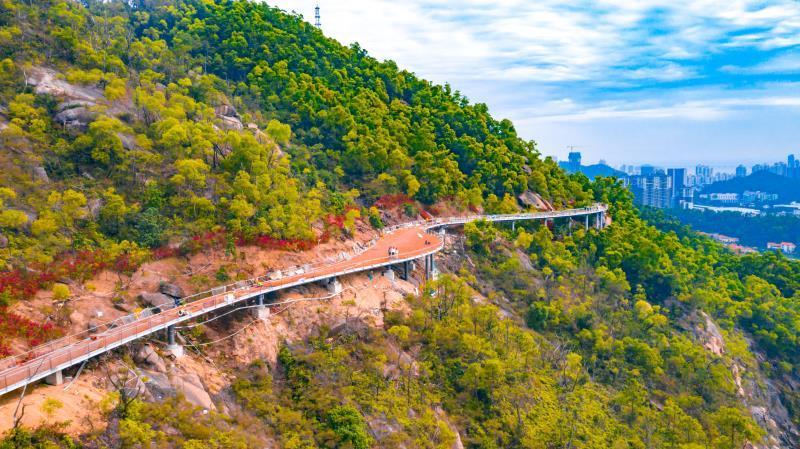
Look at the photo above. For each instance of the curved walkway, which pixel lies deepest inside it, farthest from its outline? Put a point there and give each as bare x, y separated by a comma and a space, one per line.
411, 241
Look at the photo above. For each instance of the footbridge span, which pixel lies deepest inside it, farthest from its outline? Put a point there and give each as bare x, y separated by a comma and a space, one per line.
399, 245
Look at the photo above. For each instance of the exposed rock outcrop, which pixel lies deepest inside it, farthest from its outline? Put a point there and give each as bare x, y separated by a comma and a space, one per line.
40, 174
192, 388
757, 392
75, 114
230, 123
532, 199
47, 82
159, 300
171, 290
146, 355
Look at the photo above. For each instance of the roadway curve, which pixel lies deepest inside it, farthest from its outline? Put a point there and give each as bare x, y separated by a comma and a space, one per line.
411, 240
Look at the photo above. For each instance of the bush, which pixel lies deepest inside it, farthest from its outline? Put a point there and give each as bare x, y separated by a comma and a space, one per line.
348, 424
60, 292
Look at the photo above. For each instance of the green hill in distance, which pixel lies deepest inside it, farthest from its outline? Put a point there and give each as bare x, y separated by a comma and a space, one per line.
787, 189
594, 170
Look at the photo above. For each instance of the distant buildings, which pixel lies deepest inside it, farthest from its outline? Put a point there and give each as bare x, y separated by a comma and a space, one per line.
784, 247
732, 243
790, 168
724, 198
678, 187
758, 197
647, 170
704, 174
680, 191
652, 188
721, 237
574, 161
793, 167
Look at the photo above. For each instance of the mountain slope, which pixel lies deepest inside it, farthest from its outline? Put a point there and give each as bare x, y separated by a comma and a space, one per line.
202, 141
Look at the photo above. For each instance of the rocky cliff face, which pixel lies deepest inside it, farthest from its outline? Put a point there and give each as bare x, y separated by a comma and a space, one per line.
760, 394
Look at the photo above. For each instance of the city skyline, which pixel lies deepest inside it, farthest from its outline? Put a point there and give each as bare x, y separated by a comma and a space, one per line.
650, 81
728, 166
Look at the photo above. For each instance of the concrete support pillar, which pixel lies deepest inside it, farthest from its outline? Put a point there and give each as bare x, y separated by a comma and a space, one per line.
389, 273
334, 286
587, 222
513, 225
172, 346
430, 268
405, 270
56, 378
260, 311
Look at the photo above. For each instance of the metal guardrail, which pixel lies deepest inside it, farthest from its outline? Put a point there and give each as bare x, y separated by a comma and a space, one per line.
66, 351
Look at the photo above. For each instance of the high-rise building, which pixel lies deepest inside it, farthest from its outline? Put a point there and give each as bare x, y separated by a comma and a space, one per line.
741, 171
647, 170
654, 190
575, 161
678, 180
704, 174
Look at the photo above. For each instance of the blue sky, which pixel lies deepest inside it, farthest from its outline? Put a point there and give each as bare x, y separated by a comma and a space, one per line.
673, 82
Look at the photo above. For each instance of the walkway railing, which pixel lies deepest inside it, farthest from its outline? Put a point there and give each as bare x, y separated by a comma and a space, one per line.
61, 353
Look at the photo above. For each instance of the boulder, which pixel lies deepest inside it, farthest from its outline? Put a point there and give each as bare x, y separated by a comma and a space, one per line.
231, 123
159, 300
172, 290
40, 174
121, 306
531, 199
148, 356
47, 82
226, 110
72, 104
78, 117
192, 388
158, 385
92, 326
94, 205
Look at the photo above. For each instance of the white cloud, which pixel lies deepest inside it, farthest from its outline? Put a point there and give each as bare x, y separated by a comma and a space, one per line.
788, 63
549, 40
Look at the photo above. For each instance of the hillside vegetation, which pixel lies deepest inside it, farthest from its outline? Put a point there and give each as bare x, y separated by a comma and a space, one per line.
148, 129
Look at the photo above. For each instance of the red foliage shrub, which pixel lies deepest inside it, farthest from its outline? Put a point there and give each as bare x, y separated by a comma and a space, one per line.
165, 252
16, 326
80, 266
392, 201
269, 242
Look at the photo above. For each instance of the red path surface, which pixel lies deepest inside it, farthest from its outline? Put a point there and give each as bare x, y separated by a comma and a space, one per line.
410, 243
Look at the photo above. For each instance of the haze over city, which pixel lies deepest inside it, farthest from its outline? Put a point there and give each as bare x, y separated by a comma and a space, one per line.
671, 83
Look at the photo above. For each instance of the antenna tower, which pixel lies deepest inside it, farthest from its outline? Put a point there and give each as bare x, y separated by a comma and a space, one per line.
317, 22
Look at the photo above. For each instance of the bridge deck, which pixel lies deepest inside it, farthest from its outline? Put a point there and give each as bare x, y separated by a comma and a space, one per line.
410, 240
